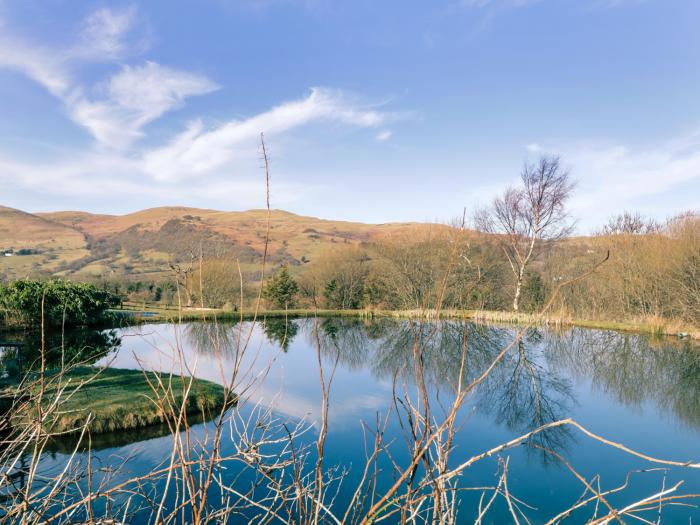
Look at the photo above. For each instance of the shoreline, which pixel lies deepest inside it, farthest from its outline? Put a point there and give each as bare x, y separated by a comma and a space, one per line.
662, 328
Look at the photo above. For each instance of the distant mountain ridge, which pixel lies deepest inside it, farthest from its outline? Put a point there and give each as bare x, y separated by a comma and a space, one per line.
85, 245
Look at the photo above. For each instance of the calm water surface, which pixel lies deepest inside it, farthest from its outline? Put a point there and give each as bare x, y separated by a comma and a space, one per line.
640, 392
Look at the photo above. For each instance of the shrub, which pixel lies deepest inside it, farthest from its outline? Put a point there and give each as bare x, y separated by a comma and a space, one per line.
80, 304
282, 289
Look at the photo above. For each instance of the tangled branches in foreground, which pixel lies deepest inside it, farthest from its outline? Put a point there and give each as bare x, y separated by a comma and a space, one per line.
249, 464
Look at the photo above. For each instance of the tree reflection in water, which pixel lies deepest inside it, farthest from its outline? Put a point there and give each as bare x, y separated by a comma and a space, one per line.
520, 393
531, 386
74, 347
635, 369
280, 331
213, 337
523, 394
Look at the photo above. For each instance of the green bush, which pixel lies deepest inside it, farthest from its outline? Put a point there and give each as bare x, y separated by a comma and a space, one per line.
534, 293
80, 304
282, 289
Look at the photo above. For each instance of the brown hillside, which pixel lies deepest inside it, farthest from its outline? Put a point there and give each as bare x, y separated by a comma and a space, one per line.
19, 229
145, 242
47, 242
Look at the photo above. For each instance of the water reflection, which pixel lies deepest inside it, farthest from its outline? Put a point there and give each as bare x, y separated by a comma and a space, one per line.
533, 383
521, 392
213, 338
280, 331
84, 346
530, 386
604, 379
67, 443
523, 395
633, 368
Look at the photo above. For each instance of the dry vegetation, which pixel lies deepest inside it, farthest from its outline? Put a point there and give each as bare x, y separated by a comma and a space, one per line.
651, 277
212, 259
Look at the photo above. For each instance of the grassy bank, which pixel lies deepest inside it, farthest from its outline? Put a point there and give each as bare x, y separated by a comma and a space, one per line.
155, 314
653, 326
116, 399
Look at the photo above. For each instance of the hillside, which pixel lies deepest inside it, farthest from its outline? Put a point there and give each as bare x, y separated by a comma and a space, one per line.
84, 245
38, 244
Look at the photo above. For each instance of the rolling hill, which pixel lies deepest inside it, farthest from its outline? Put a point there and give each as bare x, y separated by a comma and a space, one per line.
83, 245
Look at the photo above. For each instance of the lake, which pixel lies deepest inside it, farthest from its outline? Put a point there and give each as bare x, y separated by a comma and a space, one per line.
631, 389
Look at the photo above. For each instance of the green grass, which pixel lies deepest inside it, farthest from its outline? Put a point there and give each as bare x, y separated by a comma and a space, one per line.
117, 399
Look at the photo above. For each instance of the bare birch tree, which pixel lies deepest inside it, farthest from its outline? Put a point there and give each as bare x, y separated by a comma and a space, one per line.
526, 217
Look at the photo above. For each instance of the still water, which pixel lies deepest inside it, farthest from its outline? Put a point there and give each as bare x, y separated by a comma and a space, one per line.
629, 388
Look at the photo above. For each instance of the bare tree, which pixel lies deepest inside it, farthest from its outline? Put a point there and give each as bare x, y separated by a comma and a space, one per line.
629, 223
525, 217
183, 276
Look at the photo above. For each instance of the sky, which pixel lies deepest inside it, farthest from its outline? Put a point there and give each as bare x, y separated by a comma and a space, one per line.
373, 111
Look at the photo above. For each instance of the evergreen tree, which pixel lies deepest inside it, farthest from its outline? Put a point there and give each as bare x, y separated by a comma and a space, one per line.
282, 289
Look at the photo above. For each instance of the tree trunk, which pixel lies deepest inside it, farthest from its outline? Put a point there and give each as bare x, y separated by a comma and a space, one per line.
188, 292
518, 286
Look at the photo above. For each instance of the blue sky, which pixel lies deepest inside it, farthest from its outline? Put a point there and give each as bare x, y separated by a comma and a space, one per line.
373, 110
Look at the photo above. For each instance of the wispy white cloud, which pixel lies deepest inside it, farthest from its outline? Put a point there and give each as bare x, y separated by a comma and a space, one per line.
115, 111
614, 177
95, 176
197, 151
384, 135
197, 163
37, 63
102, 37
134, 97
103, 32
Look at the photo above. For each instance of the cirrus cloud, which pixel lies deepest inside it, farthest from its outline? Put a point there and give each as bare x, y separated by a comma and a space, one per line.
618, 176
197, 151
134, 97
115, 111
197, 162
194, 162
